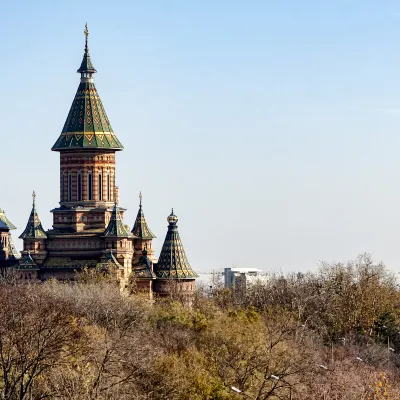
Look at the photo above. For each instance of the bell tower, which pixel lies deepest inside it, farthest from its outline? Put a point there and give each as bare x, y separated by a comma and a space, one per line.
87, 147
88, 192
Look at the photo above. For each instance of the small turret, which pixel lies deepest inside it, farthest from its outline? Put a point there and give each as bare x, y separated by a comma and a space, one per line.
173, 263
174, 274
34, 229
34, 236
116, 227
27, 269
142, 276
143, 236
118, 239
140, 228
8, 253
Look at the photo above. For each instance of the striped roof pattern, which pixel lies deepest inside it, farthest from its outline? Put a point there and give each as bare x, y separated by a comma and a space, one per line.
173, 262
116, 227
34, 228
5, 223
140, 228
87, 125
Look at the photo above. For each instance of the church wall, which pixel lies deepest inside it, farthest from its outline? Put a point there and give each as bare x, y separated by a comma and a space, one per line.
97, 162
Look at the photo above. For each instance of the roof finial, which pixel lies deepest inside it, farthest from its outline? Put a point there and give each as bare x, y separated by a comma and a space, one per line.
172, 218
86, 64
34, 197
140, 198
86, 32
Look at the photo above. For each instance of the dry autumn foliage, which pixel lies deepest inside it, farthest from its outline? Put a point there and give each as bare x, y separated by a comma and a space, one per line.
331, 335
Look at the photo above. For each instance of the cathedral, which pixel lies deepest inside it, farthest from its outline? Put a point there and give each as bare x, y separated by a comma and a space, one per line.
88, 225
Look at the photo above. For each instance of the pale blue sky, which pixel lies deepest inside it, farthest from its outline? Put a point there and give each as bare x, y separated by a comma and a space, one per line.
272, 127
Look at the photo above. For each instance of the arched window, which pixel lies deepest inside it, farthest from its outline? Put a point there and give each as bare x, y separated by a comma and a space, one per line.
79, 189
100, 186
90, 186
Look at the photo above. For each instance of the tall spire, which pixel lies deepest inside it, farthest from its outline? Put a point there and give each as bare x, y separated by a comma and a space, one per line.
34, 229
116, 226
87, 125
86, 69
173, 263
140, 228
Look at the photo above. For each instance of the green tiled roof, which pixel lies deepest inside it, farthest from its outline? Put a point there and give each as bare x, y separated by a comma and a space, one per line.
109, 262
142, 270
87, 125
27, 263
173, 263
5, 223
66, 262
116, 226
140, 228
34, 229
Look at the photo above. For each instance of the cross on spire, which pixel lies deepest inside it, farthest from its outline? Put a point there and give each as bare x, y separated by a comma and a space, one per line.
86, 32
34, 197
140, 198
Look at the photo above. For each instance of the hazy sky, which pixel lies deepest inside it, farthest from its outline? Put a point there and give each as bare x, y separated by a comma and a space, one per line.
271, 127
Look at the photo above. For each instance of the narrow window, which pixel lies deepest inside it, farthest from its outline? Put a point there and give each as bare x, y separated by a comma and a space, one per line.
79, 186
63, 187
100, 187
108, 187
90, 187
69, 187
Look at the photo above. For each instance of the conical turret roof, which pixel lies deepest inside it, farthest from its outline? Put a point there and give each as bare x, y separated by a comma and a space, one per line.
173, 263
140, 228
87, 125
34, 229
5, 223
116, 226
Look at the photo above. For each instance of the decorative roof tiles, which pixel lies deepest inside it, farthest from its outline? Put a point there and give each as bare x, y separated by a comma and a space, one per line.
34, 229
27, 263
140, 228
108, 262
173, 263
87, 125
142, 269
116, 226
5, 223
69, 263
